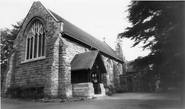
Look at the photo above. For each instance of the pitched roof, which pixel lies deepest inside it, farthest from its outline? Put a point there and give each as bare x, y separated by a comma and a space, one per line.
84, 60
80, 35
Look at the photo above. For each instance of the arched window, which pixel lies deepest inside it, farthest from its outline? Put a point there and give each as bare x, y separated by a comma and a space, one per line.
35, 41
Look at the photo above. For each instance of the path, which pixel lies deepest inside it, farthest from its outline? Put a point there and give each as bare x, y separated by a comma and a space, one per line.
117, 101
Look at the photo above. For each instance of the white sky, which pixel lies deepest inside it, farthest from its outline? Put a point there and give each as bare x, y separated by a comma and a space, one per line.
100, 18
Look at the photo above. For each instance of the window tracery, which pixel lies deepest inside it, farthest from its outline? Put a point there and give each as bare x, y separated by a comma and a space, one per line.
35, 41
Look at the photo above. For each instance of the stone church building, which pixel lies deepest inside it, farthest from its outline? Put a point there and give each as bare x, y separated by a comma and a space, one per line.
52, 53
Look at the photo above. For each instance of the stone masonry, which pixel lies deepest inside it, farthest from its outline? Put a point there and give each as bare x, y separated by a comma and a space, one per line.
53, 71
39, 72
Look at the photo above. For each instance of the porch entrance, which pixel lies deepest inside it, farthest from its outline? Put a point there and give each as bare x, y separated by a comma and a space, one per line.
88, 68
96, 80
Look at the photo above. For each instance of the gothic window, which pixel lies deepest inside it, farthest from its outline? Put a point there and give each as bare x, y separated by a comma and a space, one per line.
35, 41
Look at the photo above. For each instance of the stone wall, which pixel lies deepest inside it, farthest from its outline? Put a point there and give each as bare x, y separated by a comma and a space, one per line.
71, 48
114, 69
83, 90
37, 73
54, 78
68, 49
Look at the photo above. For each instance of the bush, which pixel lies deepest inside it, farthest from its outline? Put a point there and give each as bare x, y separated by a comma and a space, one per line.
120, 90
25, 92
110, 90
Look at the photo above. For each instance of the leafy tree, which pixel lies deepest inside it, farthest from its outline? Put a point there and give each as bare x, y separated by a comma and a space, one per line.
159, 25
7, 38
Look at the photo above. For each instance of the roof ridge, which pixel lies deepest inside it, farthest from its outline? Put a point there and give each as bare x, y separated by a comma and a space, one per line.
71, 24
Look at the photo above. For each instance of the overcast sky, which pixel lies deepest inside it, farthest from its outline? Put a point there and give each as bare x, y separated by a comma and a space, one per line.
100, 18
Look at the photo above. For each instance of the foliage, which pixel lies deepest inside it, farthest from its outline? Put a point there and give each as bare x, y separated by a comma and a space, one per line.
110, 90
25, 92
7, 38
159, 25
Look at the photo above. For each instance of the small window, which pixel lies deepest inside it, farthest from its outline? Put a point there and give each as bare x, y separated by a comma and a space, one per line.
35, 42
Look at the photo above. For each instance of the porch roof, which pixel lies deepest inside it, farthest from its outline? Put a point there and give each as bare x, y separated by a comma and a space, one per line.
84, 61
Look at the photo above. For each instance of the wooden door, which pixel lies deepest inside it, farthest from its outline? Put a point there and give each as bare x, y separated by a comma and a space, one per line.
96, 83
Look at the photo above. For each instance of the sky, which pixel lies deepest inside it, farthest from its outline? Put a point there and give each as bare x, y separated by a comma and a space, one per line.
100, 18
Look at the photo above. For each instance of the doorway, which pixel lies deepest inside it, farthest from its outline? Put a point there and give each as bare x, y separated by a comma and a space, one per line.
96, 79
96, 83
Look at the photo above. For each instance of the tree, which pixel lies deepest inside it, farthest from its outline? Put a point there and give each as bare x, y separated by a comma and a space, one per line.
159, 25
7, 38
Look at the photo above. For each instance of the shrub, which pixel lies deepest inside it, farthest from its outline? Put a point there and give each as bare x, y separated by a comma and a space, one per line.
25, 92
110, 90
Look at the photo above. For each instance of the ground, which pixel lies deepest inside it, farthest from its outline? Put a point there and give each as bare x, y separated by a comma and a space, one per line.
117, 101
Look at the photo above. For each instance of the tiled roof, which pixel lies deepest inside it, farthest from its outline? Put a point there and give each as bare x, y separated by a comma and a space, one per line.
84, 60
80, 35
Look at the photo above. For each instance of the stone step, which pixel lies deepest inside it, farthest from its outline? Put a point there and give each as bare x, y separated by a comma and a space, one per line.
99, 95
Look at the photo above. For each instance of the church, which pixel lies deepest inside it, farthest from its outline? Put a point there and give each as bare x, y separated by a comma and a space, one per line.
64, 60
